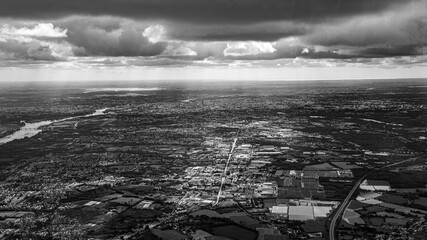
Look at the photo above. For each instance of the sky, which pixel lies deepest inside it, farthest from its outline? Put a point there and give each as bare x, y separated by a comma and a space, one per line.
212, 39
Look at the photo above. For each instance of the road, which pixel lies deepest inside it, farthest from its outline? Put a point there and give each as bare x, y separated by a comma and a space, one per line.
394, 164
344, 204
230, 156
342, 207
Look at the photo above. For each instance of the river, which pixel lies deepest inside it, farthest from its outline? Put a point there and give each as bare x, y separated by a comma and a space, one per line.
31, 129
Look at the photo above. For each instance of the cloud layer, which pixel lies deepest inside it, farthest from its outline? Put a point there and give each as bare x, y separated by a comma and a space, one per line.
215, 32
212, 11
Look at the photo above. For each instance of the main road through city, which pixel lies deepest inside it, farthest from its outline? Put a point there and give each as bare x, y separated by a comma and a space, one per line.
230, 156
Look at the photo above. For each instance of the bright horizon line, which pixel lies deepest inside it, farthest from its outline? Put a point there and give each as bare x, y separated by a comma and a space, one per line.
215, 80
211, 74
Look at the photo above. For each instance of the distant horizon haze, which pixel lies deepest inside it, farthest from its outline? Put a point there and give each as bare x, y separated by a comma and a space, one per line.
207, 74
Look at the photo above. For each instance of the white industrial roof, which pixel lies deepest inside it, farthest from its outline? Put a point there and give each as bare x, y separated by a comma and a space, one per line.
321, 211
301, 212
280, 209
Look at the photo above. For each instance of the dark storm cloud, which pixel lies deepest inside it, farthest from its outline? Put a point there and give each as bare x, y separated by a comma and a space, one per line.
311, 53
109, 37
197, 11
406, 25
388, 51
236, 36
293, 52
268, 31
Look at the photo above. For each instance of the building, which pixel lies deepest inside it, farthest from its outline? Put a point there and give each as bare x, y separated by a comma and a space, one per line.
352, 217
280, 210
301, 213
268, 189
367, 196
321, 211
375, 185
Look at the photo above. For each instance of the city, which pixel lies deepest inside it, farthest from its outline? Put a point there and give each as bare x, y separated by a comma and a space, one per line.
284, 160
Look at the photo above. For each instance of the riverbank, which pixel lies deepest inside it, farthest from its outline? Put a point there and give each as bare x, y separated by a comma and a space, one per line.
8, 132
31, 129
